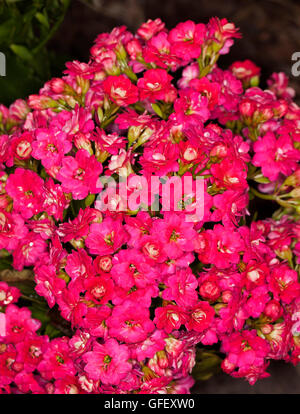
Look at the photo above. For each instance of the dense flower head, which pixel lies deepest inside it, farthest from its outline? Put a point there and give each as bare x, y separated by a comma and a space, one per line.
124, 295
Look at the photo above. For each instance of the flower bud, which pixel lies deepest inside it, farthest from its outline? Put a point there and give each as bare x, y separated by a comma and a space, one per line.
19, 109
41, 102
266, 329
273, 310
247, 108
81, 141
210, 290
103, 263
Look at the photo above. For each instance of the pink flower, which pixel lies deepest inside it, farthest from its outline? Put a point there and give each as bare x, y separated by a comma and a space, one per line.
108, 362
181, 288
67, 385
12, 229
25, 188
175, 233
80, 175
8, 366
231, 174
72, 305
220, 246
222, 33
129, 268
186, 39
155, 85
48, 284
245, 70
200, 317
245, 349
208, 89
153, 249
95, 321
56, 362
107, 143
120, 90
191, 107
106, 237
79, 266
158, 51
8, 294
21, 146
99, 289
18, 324
130, 324
160, 160
31, 350
28, 250
79, 227
284, 283
54, 200
275, 156
50, 147
230, 206
150, 28
170, 317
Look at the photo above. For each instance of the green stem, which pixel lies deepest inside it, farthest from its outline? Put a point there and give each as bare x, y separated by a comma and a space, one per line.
263, 196
53, 30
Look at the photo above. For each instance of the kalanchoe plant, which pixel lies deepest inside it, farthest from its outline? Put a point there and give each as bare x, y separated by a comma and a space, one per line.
130, 301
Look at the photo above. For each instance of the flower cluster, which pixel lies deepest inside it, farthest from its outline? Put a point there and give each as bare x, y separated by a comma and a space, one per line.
142, 291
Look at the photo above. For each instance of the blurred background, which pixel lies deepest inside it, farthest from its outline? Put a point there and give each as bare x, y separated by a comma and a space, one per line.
39, 36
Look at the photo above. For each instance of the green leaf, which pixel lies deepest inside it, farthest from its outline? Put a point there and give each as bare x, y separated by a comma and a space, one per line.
42, 19
157, 109
52, 332
261, 179
89, 200
207, 364
22, 52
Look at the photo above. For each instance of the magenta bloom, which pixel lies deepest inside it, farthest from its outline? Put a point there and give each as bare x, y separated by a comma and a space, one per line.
54, 199
170, 317
80, 175
108, 362
191, 107
106, 237
12, 229
275, 156
155, 85
120, 90
50, 147
130, 269
31, 350
48, 284
221, 246
25, 188
8, 294
284, 283
18, 324
57, 362
181, 288
200, 317
129, 323
245, 349
186, 39
28, 251
99, 289
176, 234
